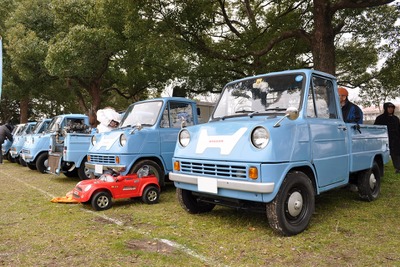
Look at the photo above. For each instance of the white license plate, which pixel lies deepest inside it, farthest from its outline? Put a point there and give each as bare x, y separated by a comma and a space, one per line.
98, 168
208, 185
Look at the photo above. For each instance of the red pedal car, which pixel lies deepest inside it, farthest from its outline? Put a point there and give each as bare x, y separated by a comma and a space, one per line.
101, 192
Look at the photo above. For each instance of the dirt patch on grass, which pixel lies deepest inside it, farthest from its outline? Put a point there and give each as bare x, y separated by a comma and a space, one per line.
148, 245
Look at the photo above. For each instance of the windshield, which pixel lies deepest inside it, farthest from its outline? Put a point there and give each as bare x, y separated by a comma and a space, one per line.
145, 114
268, 94
53, 123
40, 127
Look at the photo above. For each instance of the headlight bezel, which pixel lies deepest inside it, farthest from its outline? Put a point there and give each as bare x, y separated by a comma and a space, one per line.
260, 137
184, 138
122, 140
93, 140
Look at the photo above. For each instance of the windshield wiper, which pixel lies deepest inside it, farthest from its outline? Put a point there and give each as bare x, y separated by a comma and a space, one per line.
275, 109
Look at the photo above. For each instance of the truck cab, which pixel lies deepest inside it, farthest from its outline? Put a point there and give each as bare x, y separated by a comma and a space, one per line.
7, 143
68, 148
273, 142
146, 137
35, 152
19, 140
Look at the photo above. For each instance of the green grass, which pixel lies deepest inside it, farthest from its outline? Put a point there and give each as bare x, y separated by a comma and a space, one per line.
344, 231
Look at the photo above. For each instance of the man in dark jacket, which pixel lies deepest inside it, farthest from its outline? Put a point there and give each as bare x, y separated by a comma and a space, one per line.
5, 133
392, 123
351, 112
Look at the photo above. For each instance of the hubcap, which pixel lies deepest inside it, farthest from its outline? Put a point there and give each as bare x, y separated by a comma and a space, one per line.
102, 201
295, 204
372, 181
152, 195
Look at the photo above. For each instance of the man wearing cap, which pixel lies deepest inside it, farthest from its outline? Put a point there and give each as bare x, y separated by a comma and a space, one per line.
351, 112
392, 123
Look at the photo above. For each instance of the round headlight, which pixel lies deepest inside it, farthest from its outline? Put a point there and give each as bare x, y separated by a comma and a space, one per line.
184, 138
260, 137
94, 140
122, 139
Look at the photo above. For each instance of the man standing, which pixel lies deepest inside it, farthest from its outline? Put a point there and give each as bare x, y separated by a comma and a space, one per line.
5, 133
351, 112
392, 123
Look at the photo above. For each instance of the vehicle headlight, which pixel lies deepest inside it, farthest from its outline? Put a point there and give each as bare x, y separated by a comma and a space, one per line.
260, 137
122, 139
184, 138
94, 140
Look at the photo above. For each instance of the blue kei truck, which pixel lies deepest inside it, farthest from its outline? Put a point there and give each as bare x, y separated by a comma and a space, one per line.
146, 138
273, 143
5, 149
35, 151
19, 140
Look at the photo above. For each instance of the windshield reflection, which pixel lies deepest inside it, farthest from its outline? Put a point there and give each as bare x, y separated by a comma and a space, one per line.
145, 114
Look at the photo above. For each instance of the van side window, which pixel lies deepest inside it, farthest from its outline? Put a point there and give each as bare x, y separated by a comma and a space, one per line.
175, 114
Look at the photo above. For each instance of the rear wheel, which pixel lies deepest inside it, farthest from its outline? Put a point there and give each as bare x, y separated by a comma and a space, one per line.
290, 212
190, 203
153, 168
151, 194
369, 183
42, 162
101, 201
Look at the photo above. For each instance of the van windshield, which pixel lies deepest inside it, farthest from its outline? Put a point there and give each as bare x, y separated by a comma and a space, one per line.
261, 95
145, 114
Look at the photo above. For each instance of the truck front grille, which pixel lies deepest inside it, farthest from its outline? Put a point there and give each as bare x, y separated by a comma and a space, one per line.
100, 159
217, 170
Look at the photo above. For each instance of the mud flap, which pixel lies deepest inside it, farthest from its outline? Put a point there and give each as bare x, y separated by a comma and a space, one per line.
54, 164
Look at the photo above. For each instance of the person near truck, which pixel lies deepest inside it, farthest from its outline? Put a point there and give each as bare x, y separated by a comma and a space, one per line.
5, 133
392, 123
351, 112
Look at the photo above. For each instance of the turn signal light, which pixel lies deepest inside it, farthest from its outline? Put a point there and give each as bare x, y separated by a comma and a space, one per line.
177, 166
253, 173
117, 159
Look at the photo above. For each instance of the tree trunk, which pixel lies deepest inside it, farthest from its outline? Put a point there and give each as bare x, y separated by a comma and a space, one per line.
323, 38
23, 107
95, 93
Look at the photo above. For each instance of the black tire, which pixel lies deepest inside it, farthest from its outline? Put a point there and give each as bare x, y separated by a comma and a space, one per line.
10, 158
22, 161
190, 203
83, 171
42, 162
291, 210
17, 160
101, 200
154, 169
369, 183
73, 173
151, 194
31, 166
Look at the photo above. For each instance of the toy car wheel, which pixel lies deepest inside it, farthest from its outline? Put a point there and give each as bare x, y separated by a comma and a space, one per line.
83, 171
369, 183
101, 201
151, 194
41, 162
154, 168
190, 203
290, 212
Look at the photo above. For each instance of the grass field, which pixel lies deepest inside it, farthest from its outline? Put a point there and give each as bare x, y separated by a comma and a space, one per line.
344, 231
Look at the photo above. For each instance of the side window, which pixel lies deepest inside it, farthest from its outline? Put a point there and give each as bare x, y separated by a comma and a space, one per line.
180, 112
323, 100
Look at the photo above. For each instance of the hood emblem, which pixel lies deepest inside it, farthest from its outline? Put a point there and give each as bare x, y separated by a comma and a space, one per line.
225, 142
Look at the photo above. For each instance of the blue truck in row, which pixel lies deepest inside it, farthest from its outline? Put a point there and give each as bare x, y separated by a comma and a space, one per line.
273, 143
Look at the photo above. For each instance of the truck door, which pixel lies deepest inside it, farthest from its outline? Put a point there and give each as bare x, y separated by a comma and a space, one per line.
173, 115
329, 144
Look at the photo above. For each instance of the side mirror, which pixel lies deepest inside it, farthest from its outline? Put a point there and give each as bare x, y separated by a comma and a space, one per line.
291, 112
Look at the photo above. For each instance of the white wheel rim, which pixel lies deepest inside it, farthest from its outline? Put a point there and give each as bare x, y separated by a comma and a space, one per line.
295, 204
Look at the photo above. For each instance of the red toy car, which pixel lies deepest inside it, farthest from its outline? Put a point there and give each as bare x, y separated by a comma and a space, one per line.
100, 192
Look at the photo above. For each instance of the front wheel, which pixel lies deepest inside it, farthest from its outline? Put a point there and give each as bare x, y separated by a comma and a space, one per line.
151, 194
101, 201
22, 161
31, 166
190, 203
290, 212
83, 171
153, 168
42, 162
369, 183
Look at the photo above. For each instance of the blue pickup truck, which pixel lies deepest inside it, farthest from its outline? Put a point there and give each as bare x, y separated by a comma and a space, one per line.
36, 149
273, 143
146, 138
19, 140
7, 143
